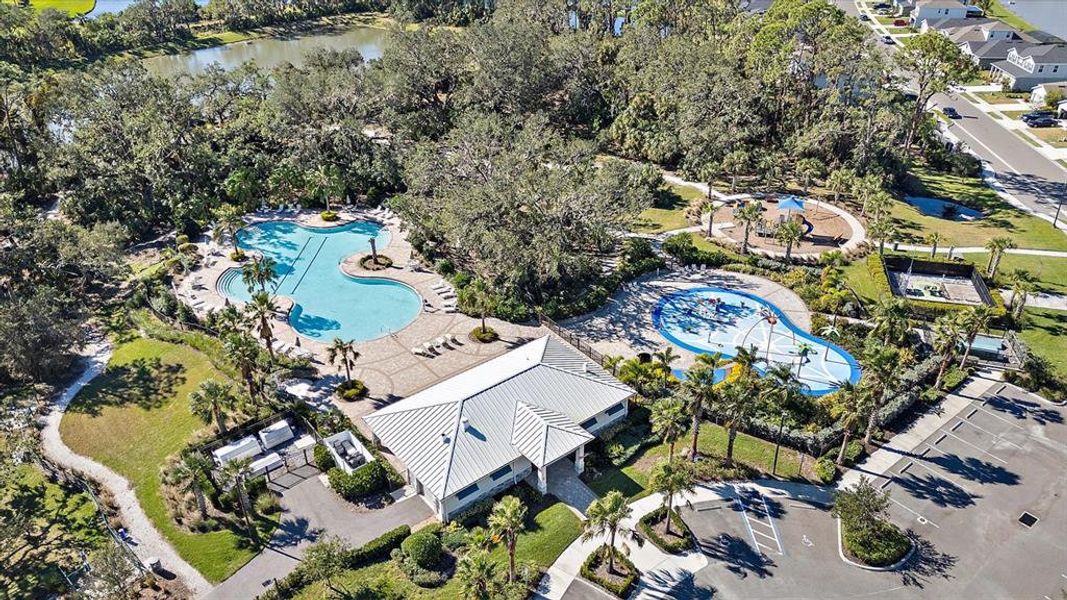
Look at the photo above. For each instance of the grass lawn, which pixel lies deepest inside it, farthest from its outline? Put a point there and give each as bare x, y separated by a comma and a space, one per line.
671, 215
1054, 136
1001, 219
899, 30
997, 11
1003, 97
1045, 333
553, 529
73, 7
859, 279
1014, 114
1026, 138
136, 415
62, 523
632, 478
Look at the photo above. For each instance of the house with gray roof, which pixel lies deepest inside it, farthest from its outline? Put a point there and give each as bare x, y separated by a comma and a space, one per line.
1028, 67
984, 40
504, 421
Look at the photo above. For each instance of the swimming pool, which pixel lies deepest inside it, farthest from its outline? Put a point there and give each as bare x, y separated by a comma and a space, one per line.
327, 302
711, 319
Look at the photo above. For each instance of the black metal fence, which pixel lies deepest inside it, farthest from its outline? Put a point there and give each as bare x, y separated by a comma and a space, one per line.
574, 340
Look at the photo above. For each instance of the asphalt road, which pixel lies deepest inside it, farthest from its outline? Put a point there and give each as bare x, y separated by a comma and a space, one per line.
1037, 182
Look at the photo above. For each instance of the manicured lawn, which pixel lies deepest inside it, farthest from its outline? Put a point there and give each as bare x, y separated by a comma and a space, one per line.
672, 214
1000, 219
552, 530
1045, 333
136, 415
1002, 97
632, 479
62, 523
998, 11
74, 7
1029, 140
859, 279
1014, 114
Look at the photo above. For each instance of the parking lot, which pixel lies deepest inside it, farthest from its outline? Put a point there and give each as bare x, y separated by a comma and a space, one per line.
961, 493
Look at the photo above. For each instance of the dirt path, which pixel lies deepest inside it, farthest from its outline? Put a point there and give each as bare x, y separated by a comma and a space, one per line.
149, 542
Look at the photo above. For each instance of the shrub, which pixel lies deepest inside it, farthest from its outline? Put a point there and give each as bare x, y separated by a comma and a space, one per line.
953, 378
364, 481
598, 557
424, 548
267, 504
483, 336
238, 255
853, 452
368, 262
671, 546
181, 239
351, 390
328, 216
323, 459
825, 469
881, 546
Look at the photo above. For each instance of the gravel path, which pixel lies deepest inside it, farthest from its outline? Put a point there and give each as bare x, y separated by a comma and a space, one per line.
149, 542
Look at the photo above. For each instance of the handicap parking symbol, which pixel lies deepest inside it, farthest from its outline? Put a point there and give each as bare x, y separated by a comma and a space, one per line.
808, 543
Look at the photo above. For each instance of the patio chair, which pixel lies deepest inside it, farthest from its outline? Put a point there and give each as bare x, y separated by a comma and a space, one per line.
449, 295
440, 286
416, 351
450, 308
452, 340
439, 342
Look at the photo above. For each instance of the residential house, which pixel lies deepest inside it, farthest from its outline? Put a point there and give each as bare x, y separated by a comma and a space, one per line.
931, 10
1028, 67
1039, 95
507, 420
985, 41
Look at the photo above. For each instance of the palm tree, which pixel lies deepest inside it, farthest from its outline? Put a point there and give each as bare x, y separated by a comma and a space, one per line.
328, 183
934, 238
789, 233
507, 521
611, 362
849, 408
668, 421
480, 299
478, 574
671, 479
749, 213
344, 353
244, 352
604, 517
261, 309
1022, 283
864, 188
228, 220
782, 393
948, 332
664, 358
883, 367
808, 169
700, 386
745, 360
840, 182
735, 163
240, 186
829, 332
211, 401
259, 273
996, 247
882, 228
975, 321
235, 473
230, 320
890, 317
186, 474
737, 405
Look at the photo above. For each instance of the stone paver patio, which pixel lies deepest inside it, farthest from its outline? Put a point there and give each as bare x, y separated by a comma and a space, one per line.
623, 326
386, 364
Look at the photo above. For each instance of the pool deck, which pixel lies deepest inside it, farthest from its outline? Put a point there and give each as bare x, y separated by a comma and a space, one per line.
624, 326
386, 364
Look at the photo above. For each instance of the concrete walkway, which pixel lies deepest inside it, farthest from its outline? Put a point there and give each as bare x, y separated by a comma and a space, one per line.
564, 483
149, 542
981, 250
1039, 300
908, 440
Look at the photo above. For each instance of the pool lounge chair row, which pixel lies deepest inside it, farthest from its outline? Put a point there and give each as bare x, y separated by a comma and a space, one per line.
447, 293
383, 213
694, 271
436, 347
291, 350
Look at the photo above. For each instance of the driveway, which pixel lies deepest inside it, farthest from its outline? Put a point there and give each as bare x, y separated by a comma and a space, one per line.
312, 510
961, 492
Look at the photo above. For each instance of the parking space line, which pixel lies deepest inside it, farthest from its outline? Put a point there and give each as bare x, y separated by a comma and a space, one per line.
996, 416
996, 436
993, 456
918, 516
945, 477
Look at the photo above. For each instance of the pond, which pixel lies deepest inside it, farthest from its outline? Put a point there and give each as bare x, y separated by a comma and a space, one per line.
270, 52
943, 209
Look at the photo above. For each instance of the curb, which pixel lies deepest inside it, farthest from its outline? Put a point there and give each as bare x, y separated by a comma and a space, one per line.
893, 567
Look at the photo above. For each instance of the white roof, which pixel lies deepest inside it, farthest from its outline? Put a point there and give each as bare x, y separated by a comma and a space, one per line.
527, 402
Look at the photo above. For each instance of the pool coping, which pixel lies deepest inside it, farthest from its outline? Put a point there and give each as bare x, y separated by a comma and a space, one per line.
854, 375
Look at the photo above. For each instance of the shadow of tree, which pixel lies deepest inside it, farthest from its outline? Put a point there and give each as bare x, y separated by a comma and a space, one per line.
146, 383
664, 584
1024, 409
938, 490
737, 556
975, 469
926, 563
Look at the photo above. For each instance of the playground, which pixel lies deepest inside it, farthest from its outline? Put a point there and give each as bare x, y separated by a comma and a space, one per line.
824, 227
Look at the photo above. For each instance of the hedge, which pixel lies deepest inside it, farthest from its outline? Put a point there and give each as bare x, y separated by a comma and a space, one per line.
423, 547
323, 459
364, 481
885, 545
373, 551
925, 309
669, 546
589, 567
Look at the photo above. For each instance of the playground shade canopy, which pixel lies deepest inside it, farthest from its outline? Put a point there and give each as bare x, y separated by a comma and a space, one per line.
791, 204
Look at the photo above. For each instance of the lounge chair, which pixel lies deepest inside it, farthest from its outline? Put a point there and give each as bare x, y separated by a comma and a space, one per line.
440, 286
439, 342
447, 295
450, 309
416, 351
428, 348
452, 340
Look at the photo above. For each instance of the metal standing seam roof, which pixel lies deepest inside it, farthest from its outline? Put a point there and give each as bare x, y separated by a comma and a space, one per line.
524, 403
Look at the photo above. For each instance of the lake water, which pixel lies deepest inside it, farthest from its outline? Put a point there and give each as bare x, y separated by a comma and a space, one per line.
270, 52
1047, 15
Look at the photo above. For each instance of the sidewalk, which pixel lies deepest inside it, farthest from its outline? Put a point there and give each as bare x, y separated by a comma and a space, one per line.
149, 543
981, 250
906, 441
